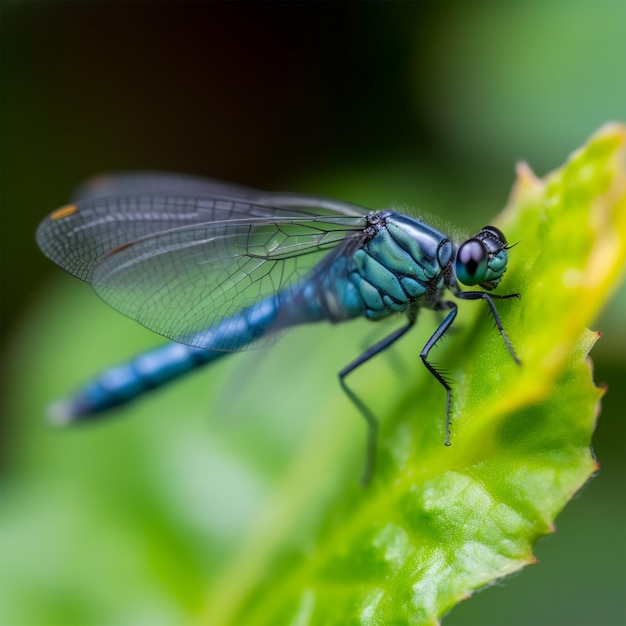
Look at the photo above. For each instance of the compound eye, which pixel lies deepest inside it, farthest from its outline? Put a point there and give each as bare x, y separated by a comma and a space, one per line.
471, 262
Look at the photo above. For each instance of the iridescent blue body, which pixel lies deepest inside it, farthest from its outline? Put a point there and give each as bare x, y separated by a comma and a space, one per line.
220, 268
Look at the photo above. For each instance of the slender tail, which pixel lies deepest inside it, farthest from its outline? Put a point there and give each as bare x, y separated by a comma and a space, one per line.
123, 383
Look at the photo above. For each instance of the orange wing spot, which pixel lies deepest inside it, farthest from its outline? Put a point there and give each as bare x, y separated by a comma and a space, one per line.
64, 211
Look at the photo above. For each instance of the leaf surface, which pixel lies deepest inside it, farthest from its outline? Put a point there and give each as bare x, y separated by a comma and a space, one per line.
258, 518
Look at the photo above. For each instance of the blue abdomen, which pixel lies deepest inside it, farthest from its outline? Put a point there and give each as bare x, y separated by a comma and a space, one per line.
123, 383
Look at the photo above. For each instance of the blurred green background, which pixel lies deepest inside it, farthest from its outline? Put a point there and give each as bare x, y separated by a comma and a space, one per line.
426, 104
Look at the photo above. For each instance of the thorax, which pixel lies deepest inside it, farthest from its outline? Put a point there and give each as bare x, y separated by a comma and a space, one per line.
402, 262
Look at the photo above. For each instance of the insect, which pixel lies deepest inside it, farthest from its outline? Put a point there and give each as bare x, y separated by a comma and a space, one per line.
219, 268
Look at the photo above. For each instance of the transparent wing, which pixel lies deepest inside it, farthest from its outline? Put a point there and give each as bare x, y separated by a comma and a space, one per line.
76, 236
180, 264
184, 281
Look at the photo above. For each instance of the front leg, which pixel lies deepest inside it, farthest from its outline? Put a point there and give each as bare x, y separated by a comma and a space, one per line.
435, 337
481, 295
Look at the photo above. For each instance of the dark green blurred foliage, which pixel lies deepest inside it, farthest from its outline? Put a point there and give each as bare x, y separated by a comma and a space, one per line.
421, 104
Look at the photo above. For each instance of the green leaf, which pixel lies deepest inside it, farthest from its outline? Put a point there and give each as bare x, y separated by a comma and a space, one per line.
177, 512
438, 523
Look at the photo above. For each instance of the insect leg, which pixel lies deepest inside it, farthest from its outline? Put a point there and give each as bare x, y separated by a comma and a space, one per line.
481, 295
435, 337
372, 422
